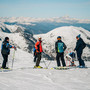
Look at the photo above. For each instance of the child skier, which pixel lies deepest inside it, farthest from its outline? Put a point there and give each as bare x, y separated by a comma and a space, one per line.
71, 57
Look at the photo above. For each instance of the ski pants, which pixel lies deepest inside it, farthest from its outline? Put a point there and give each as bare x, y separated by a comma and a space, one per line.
61, 56
5, 60
81, 62
38, 59
35, 56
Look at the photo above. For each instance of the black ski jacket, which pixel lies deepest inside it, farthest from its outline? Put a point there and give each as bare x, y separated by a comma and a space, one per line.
80, 45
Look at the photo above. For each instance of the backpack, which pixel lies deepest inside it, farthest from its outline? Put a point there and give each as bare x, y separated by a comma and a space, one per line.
60, 47
34, 49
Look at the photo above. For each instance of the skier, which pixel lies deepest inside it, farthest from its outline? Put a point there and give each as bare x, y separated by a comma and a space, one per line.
5, 51
71, 56
35, 55
80, 45
38, 47
60, 48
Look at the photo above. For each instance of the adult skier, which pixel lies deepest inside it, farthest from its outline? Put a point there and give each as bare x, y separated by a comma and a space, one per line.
5, 51
60, 48
38, 47
80, 45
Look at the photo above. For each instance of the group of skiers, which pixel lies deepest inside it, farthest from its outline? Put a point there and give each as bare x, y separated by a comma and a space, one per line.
60, 47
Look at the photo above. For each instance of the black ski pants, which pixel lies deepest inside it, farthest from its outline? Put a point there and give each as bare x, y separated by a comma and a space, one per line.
35, 56
5, 60
60, 56
81, 62
38, 59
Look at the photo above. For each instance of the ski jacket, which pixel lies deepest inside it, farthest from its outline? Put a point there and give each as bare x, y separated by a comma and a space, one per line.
80, 45
72, 54
60, 46
5, 48
38, 46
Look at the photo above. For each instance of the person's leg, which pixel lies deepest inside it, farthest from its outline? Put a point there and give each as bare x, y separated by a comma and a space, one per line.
78, 57
57, 59
81, 62
5, 57
38, 59
62, 59
35, 56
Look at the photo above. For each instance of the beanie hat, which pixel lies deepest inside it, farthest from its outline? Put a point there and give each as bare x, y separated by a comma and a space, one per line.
58, 37
78, 36
6, 38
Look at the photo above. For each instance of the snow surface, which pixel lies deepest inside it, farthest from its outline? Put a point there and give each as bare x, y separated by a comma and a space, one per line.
68, 34
42, 79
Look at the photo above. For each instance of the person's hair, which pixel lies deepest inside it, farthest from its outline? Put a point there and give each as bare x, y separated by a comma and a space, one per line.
6, 38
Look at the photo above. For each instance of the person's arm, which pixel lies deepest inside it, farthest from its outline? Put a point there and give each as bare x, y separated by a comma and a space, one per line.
9, 46
56, 47
36, 46
64, 46
78, 44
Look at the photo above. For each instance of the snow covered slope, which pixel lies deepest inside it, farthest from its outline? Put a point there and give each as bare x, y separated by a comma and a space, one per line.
24, 77
68, 34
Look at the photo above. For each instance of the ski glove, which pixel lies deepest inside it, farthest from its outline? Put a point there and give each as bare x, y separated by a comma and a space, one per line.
15, 48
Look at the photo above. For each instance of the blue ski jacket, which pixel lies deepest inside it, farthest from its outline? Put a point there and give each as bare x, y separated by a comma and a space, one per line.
60, 46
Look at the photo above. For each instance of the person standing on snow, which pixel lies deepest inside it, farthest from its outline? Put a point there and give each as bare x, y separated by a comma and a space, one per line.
38, 47
80, 45
5, 51
60, 48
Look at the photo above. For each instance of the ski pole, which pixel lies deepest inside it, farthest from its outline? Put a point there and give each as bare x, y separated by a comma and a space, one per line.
45, 63
49, 63
13, 58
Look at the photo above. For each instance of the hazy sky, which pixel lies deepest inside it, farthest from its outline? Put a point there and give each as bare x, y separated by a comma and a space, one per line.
45, 8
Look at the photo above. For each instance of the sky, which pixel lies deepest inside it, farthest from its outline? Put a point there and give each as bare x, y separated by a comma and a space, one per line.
45, 8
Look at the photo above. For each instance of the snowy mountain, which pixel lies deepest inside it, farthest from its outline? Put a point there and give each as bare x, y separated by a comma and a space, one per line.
10, 28
68, 34
64, 19
24, 77
44, 25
